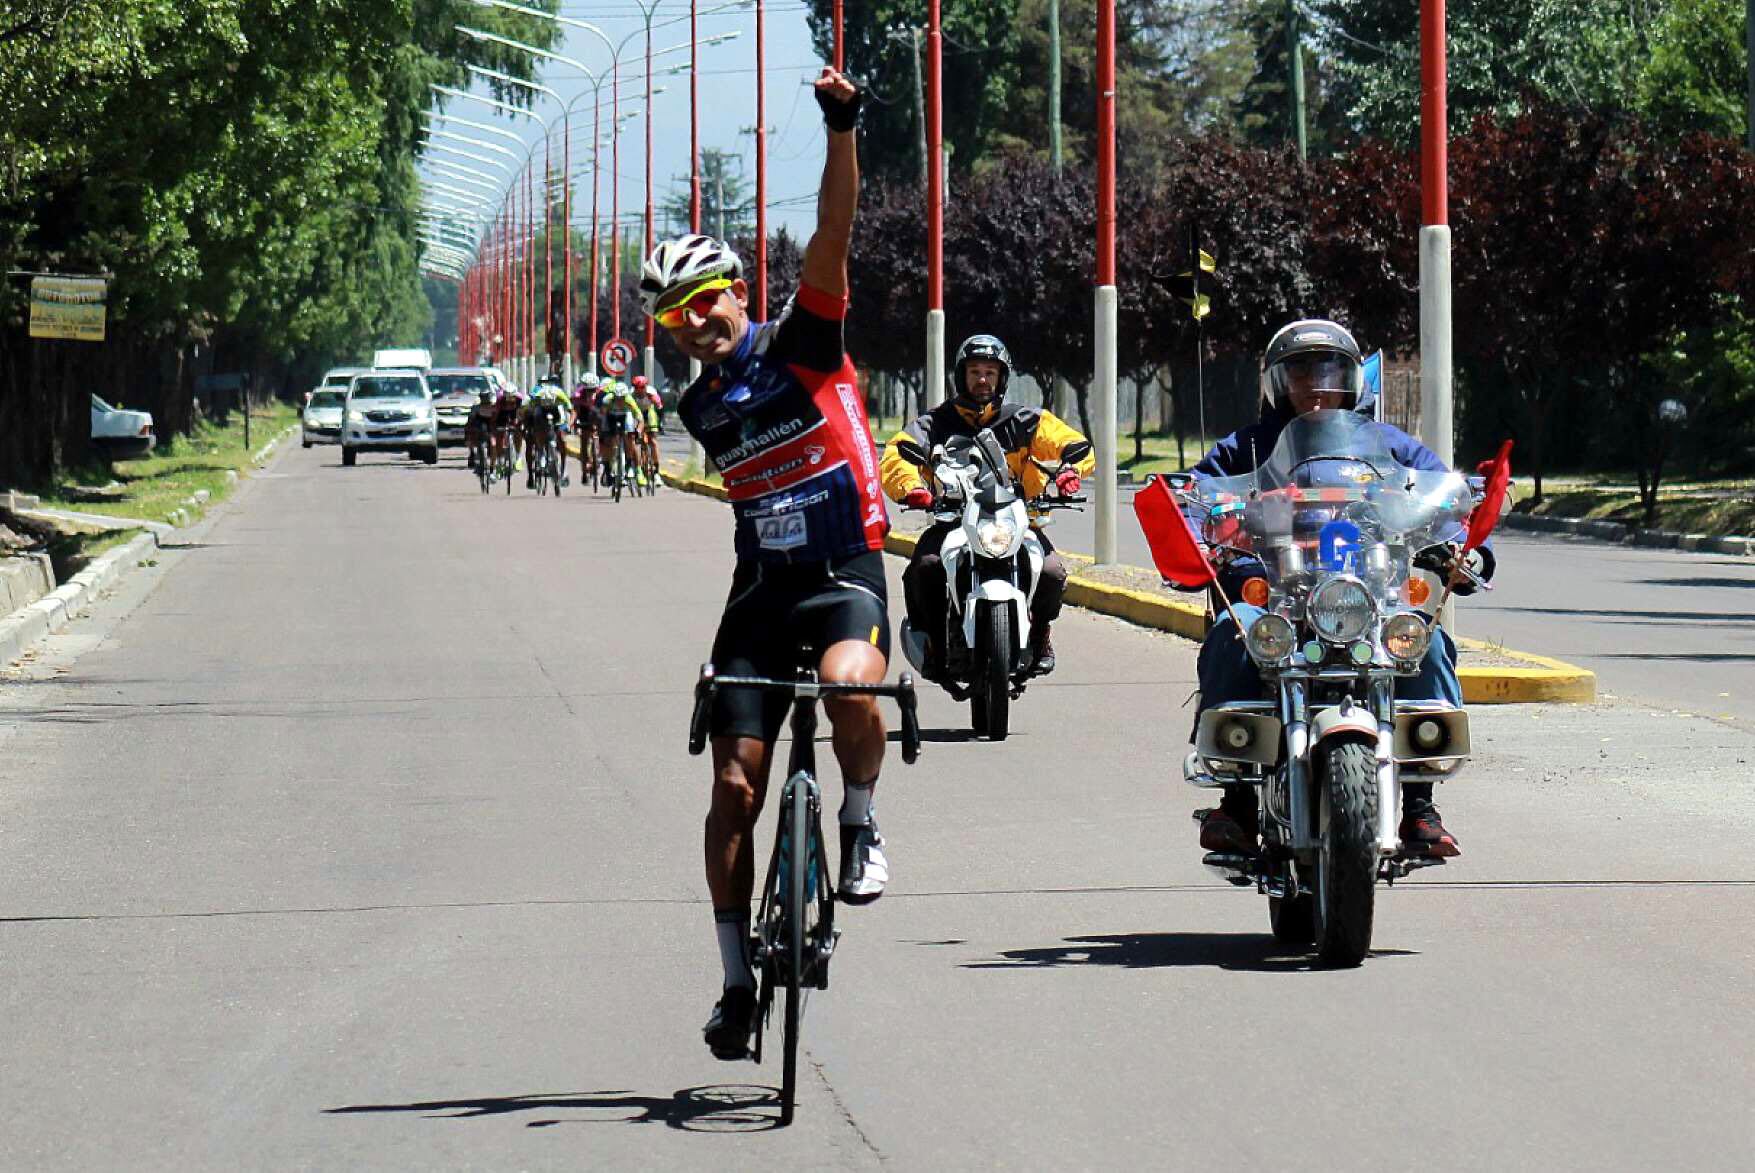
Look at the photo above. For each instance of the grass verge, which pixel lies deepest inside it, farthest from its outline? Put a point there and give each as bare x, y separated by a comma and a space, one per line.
1720, 511
150, 488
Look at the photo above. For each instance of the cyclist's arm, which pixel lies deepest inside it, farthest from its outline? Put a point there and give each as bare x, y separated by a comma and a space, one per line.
825, 257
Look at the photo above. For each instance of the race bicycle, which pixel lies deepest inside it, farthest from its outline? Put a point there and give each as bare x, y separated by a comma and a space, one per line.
481, 462
794, 932
544, 467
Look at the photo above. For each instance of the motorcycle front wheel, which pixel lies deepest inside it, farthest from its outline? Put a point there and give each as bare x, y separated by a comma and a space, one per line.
1346, 871
990, 705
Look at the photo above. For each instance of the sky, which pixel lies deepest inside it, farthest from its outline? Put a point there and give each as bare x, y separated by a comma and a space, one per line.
727, 103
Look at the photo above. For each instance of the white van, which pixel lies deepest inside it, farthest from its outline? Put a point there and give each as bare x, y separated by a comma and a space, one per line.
406, 360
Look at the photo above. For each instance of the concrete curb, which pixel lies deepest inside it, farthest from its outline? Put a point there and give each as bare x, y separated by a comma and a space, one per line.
55, 610
1545, 681
1614, 531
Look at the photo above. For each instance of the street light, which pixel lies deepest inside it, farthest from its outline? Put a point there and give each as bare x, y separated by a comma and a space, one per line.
615, 51
429, 146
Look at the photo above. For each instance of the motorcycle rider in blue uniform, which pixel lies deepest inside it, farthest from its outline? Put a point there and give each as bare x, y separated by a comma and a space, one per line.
1312, 365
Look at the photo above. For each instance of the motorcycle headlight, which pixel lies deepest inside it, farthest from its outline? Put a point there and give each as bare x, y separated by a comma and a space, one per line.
1341, 610
1406, 636
1270, 638
996, 537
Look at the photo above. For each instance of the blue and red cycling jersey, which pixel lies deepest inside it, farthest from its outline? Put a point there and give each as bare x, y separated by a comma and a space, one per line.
784, 423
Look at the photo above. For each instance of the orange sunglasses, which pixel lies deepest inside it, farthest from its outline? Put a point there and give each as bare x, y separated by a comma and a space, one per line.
699, 302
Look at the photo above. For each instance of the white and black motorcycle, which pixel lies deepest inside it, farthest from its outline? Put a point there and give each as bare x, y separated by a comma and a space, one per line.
993, 565
1337, 528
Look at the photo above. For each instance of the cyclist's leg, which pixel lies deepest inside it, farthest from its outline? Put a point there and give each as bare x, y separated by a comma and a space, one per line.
850, 621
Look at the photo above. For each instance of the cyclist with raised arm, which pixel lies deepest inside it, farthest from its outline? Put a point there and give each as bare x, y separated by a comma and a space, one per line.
778, 410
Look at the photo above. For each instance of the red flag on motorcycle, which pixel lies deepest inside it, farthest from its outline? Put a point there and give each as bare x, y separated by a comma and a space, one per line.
1175, 551
1486, 514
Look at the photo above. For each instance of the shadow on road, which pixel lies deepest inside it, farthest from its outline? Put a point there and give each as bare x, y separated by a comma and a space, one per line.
938, 736
1745, 583
1709, 618
1258, 953
714, 1108
1687, 657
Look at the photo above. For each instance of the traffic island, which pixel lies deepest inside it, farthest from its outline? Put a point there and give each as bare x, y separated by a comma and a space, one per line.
1137, 595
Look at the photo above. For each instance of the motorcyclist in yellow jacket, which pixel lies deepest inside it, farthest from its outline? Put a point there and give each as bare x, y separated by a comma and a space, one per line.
979, 377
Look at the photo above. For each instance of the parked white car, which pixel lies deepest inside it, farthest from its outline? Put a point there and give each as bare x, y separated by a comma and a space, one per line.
322, 420
389, 410
119, 434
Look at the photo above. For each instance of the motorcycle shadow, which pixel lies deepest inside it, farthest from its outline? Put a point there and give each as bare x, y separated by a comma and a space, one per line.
940, 736
1249, 952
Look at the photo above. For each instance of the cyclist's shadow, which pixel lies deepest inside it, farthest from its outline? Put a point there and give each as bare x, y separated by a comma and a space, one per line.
713, 1108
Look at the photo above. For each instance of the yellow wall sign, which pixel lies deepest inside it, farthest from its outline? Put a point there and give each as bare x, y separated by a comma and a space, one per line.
68, 307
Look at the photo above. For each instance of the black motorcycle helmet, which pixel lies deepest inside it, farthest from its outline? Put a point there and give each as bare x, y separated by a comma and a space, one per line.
980, 346
1323, 348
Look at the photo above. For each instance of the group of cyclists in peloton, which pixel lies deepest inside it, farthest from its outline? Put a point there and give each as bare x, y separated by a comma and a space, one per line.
617, 425
778, 411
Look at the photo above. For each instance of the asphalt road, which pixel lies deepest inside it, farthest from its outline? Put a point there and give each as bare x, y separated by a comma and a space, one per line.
359, 834
1662, 627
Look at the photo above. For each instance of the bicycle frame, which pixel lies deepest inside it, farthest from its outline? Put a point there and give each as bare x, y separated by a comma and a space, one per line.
786, 952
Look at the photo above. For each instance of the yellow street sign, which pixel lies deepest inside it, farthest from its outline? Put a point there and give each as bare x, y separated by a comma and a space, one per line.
68, 307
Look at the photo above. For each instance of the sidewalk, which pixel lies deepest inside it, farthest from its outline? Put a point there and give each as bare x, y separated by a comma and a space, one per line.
1498, 676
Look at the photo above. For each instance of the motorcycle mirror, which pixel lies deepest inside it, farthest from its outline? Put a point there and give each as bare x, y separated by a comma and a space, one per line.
1075, 452
911, 452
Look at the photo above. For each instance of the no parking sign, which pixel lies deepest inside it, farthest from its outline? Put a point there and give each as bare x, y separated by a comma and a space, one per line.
617, 356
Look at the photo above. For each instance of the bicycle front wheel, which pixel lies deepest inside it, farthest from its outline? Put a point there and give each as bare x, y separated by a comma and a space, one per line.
792, 916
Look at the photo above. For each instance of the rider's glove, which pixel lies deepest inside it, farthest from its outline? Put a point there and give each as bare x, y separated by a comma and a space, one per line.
840, 116
1480, 562
1067, 482
920, 498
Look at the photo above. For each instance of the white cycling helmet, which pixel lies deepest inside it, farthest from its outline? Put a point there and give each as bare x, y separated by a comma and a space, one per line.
685, 260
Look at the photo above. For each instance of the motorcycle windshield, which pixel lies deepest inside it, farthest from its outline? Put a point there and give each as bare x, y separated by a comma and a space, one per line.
1330, 490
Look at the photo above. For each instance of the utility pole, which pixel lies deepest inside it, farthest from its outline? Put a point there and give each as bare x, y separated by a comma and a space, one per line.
919, 103
1295, 76
1054, 157
719, 199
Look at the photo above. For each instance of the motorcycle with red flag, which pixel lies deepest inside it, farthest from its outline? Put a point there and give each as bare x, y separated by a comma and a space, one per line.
1345, 555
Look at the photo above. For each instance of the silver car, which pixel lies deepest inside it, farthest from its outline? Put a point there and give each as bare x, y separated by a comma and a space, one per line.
322, 419
390, 410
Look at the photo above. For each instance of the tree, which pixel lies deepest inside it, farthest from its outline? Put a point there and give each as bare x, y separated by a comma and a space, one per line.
880, 46
261, 219
1502, 55
728, 206
1695, 78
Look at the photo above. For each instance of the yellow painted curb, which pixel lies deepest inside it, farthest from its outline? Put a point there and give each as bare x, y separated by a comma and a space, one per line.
1546, 681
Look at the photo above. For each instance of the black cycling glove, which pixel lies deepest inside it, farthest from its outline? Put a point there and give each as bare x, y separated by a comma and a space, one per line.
840, 116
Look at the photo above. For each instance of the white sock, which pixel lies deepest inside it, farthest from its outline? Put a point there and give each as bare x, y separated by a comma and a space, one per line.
856, 803
732, 927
